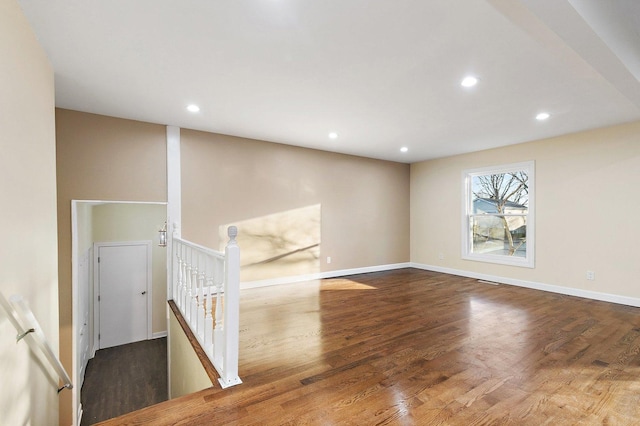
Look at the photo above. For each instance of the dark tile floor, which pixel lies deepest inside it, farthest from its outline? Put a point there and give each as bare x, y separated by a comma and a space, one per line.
124, 379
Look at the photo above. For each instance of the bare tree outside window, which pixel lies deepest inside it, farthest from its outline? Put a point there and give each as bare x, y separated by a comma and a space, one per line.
508, 192
498, 216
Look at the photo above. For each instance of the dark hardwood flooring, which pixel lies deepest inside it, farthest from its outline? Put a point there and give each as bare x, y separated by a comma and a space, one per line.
123, 379
412, 347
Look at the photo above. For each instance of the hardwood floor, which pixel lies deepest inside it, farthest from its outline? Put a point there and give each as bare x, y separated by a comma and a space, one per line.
412, 347
123, 379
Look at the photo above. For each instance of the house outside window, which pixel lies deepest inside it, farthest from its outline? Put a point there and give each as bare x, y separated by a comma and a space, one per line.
498, 214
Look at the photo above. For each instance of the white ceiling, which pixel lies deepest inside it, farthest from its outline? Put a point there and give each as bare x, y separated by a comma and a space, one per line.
381, 73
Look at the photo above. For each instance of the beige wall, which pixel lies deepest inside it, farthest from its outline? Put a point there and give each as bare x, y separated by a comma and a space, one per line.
28, 254
364, 202
586, 210
138, 222
100, 158
187, 373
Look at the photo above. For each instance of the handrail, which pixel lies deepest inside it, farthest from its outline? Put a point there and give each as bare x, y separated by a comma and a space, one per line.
203, 249
204, 278
26, 324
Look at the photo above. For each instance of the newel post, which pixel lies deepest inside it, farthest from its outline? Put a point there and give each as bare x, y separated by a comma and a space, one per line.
231, 311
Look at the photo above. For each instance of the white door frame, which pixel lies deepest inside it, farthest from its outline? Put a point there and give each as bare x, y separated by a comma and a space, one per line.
75, 362
96, 286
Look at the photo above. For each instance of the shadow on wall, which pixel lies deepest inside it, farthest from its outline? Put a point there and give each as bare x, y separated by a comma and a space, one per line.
278, 245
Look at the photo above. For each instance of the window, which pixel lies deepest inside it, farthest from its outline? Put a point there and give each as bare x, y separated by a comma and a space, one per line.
498, 220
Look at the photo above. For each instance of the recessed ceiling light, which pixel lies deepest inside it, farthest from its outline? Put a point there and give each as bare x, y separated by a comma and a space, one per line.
193, 108
543, 116
404, 149
469, 81
333, 135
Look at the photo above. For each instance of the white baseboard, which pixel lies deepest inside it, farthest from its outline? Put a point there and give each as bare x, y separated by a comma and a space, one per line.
569, 291
159, 335
322, 275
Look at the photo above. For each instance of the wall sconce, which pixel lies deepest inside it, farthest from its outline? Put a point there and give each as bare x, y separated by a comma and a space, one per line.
163, 236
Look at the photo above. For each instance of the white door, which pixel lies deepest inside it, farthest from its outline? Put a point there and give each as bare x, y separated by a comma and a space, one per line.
124, 276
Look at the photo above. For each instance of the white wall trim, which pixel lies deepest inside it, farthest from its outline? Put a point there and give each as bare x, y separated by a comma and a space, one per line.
322, 275
569, 291
75, 392
159, 335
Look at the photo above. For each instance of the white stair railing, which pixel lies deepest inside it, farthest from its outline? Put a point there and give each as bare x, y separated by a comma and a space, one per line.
204, 275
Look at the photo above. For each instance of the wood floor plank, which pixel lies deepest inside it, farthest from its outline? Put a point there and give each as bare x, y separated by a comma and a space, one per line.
411, 347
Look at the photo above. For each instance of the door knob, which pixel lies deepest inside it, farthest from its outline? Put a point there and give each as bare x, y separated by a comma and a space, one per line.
144, 292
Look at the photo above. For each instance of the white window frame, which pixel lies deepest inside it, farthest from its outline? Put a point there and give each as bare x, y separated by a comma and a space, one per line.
467, 214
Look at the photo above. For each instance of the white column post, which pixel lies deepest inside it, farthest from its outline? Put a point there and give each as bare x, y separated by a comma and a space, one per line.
174, 200
174, 217
231, 312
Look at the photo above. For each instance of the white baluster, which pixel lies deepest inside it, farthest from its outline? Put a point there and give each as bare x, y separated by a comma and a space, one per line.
187, 304
176, 266
208, 320
218, 331
183, 272
201, 305
176, 284
180, 279
194, 297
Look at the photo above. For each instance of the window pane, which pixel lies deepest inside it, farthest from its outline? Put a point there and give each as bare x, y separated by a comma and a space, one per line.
500, 192
499, 214
499, 235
